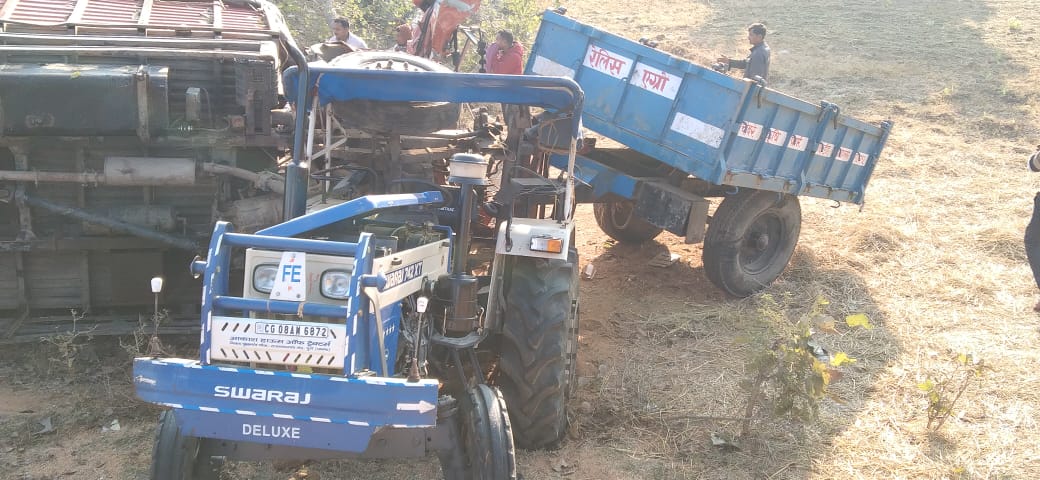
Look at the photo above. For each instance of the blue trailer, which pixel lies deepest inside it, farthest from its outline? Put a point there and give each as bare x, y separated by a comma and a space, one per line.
692, 134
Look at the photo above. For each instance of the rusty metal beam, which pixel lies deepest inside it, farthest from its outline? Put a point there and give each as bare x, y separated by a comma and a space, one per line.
84, 256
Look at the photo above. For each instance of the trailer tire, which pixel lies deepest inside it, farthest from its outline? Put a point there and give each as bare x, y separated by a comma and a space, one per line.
176, 456
538, 348
487, 439
618, 221
405, 118
750, 239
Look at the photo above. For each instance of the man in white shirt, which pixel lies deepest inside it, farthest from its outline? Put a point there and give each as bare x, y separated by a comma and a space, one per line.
341, 33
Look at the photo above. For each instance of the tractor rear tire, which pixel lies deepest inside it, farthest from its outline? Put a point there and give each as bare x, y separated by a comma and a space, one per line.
486, 438
750, 240
404, 118
618, 221
176, 456
538, 348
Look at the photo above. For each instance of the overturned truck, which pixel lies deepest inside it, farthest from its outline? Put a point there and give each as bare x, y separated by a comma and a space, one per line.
127, 129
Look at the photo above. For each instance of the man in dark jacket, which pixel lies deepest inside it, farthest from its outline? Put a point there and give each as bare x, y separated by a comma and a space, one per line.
1033, 229
757, 61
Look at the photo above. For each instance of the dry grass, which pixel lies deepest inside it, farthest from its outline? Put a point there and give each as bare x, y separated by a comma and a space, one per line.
935, 259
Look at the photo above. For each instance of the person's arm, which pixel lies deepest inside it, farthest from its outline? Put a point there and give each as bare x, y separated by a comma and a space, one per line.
741, 64
356, 42
492, 58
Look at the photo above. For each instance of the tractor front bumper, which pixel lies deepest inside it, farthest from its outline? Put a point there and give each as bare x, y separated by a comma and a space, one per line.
271, 407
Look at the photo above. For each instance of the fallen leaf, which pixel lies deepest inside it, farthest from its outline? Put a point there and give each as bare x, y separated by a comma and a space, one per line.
859, 320
840, 359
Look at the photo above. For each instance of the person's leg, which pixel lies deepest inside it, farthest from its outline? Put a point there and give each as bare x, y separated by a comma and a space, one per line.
1032, 243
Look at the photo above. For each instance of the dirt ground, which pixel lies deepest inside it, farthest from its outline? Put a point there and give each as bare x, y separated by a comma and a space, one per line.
934, 259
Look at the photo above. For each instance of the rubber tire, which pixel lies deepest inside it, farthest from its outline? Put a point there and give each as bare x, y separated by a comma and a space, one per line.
486, 438
538, 348
176, 456
730, 261
405, 118
628, 228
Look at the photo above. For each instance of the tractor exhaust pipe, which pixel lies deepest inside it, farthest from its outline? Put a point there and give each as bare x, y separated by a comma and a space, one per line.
467, 170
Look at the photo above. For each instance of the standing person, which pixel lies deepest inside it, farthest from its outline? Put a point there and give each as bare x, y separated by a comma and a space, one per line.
505, 56
757, 61
341, 33
1032, 239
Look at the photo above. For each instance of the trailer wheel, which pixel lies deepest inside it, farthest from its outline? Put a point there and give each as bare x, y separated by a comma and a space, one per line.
486, 438
538, 348
406, 118
750, 239
176, 456
618, 221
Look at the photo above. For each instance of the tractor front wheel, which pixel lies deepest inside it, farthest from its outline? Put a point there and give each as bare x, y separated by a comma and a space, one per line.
486, 438
538, 348
176, 456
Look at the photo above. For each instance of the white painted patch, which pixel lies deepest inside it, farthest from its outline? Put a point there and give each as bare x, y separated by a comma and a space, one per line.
825, 149
798, 142
607, 62
844, 154
776, 137
545, 67
860, 159
698, 130
657, 81
750, 130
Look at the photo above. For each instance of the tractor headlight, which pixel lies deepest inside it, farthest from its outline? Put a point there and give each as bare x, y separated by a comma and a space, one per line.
263, 277
335, 284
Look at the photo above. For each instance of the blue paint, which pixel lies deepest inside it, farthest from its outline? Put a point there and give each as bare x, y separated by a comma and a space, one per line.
627, 108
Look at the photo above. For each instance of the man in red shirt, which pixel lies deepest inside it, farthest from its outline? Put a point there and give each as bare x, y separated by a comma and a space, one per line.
505, 56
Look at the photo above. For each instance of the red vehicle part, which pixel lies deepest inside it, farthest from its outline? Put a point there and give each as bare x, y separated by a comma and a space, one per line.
438, 24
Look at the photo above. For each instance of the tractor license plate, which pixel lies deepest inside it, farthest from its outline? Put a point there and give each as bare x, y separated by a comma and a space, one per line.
278, 342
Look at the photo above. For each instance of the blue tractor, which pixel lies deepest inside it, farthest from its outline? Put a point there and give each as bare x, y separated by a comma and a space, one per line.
384, 325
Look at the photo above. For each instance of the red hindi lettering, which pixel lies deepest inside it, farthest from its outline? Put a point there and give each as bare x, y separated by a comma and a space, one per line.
654, 80
595, 56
